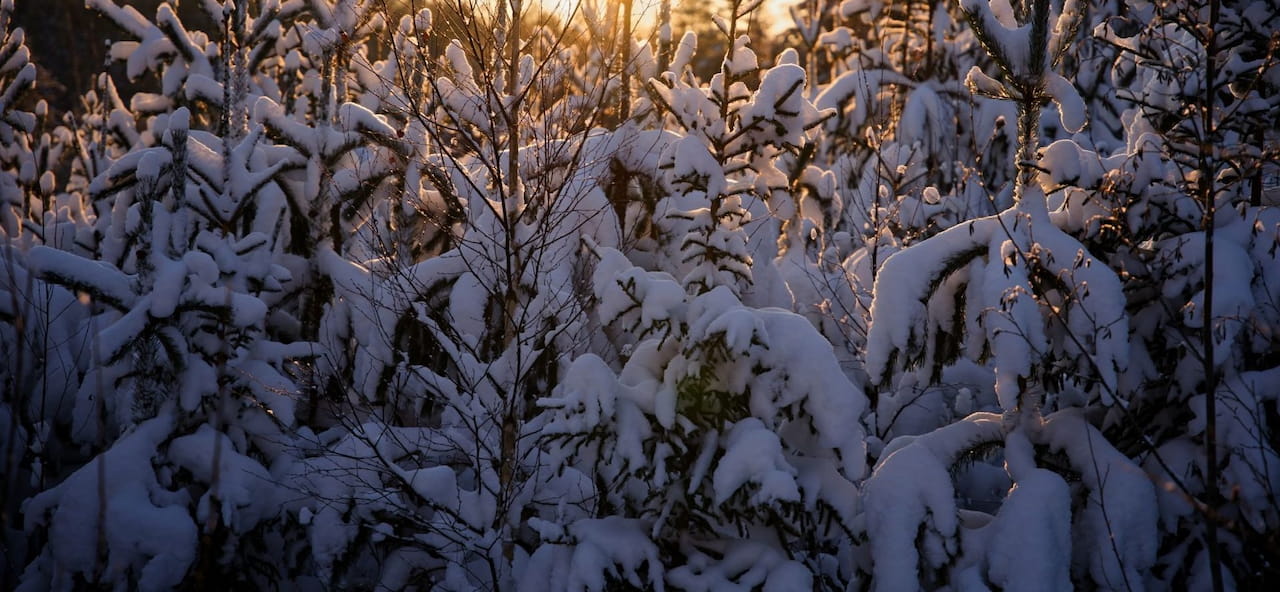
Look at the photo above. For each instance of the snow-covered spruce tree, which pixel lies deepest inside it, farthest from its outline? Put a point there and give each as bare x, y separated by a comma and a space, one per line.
723, 438
183, 400
17, 173
1045, 319
731, 172
93, 137
1195, 236
17, 76
301, 72
328, 113
179, 352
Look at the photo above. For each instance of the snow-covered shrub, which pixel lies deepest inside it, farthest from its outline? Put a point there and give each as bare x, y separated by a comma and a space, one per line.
1108, 528
724, 423
1190, 227
40, 324
448, 346
1017, 294
725, 432
1010, 284
905, 154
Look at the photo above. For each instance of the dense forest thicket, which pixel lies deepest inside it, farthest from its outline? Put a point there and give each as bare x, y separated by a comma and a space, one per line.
498, 295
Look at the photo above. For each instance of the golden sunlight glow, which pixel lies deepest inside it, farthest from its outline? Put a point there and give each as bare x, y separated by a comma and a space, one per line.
772, 15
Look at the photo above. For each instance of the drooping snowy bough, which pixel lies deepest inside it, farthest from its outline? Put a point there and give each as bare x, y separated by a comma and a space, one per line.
1018, 295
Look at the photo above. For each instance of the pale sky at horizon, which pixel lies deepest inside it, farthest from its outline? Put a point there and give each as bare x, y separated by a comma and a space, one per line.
774, 15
